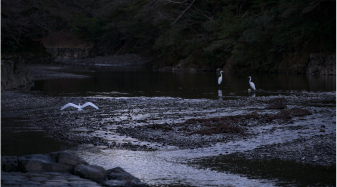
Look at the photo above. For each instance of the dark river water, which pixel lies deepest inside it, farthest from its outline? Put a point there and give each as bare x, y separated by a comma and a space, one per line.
136, 81
19, 137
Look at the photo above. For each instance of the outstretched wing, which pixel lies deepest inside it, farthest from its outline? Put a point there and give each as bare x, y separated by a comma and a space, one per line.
70, 104
89, 104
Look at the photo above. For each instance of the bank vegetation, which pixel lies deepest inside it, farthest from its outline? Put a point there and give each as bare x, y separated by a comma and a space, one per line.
236, 35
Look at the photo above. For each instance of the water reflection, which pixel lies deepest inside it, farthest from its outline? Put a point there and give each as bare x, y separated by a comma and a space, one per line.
220, 94
142, 82
252, 94
321, 82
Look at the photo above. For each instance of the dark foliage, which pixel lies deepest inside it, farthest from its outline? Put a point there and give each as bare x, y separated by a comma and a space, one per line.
240, 35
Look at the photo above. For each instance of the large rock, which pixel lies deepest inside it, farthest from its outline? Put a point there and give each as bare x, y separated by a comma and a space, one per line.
62, 161
67, 158
118, 176
41, 163
93, 172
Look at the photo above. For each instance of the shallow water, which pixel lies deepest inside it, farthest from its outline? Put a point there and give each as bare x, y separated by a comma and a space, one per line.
282, 173
155, 170
20, 137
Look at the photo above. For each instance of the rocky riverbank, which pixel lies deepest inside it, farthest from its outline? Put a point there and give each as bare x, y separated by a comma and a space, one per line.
61, 169
298, 126
159, 123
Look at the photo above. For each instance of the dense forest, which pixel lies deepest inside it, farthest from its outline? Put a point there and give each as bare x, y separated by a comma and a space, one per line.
237, 35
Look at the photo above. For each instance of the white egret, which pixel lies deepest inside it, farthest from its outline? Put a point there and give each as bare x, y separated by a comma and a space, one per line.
79, 107
220, 78
252, 85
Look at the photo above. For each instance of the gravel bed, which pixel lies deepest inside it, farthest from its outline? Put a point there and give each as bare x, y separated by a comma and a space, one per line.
317, 150
140, 123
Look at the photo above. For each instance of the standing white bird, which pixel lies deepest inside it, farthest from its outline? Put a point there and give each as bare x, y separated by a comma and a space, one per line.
252, 85
79, 107
220, 78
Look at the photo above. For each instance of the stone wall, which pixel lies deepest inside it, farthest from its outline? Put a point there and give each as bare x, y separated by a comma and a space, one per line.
320, 63
14, 73
88, 56
66, 54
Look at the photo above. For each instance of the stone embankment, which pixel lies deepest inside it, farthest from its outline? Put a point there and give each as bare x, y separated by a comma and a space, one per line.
14, 73
114, 60
14, 70
61, 169
65, 54
86, 56
322, 64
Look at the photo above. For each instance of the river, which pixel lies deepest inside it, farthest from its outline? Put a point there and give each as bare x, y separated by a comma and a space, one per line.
138, 81
171, 166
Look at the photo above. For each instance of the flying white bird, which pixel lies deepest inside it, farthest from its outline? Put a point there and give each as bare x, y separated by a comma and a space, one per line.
252, 85
220, 78
79, 107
